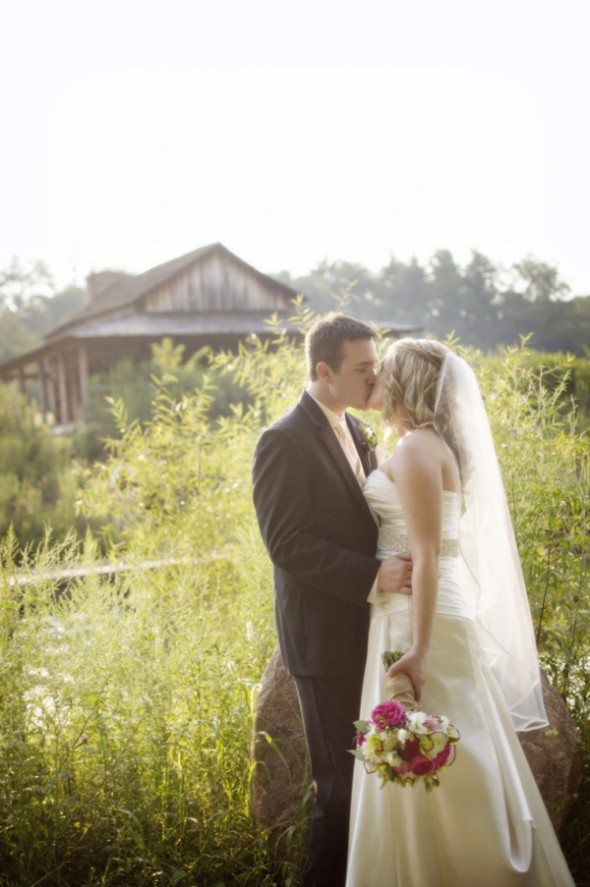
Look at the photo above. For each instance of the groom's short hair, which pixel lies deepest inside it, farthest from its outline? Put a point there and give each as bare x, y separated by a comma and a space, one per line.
326, 337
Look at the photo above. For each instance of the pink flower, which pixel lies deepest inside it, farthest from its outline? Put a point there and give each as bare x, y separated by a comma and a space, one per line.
410, 750
443, 756
388, 714
421, 766
359, 739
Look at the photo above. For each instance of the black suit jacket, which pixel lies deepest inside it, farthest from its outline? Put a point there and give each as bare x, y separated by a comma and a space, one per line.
321, 537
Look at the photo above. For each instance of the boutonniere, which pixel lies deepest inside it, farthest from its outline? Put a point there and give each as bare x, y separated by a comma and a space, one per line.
369, 438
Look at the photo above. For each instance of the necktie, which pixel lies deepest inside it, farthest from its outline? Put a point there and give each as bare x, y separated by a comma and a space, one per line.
344, 436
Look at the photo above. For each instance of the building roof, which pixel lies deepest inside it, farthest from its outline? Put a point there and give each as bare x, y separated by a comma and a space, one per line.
126, 291
206, 323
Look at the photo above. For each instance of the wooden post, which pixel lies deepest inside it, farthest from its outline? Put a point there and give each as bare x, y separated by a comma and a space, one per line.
42, 390
83, 381
63, 411
52, 388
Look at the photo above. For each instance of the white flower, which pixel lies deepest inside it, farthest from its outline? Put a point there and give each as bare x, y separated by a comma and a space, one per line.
393, 759
403, 735
417, 721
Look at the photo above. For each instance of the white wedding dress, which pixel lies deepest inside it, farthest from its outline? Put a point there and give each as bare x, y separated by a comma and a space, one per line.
486, 824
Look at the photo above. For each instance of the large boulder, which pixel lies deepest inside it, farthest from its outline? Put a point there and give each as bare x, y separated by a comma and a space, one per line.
554, 754
281, 781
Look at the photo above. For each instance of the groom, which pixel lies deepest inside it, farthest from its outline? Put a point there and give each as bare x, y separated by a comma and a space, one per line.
321, 537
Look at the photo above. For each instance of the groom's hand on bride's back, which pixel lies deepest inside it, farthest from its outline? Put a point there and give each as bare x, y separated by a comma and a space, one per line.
395, 575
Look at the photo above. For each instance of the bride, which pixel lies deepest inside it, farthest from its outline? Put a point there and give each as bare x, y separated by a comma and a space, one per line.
467, 642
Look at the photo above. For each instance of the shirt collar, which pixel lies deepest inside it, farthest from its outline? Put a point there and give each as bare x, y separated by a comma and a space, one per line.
333, 418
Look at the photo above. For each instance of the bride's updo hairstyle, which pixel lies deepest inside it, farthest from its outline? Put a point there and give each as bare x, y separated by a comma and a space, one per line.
412, 369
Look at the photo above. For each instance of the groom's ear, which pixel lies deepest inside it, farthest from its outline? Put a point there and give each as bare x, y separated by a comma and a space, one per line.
324, 371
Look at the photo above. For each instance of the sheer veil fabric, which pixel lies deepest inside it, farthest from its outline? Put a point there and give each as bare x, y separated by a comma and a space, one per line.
489, 561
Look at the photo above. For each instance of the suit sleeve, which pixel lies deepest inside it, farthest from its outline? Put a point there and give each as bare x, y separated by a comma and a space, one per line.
282, 499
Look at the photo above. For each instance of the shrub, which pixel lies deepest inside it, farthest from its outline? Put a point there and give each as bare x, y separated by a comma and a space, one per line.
38, 482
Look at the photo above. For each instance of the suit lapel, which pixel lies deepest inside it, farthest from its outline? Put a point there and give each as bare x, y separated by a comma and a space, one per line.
328, 440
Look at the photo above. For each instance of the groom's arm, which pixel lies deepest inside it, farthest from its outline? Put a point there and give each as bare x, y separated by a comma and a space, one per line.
282, 499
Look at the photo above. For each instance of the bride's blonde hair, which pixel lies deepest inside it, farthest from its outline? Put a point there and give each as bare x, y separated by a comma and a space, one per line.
412, 369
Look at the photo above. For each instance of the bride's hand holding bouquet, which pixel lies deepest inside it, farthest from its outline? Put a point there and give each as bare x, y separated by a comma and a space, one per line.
405, 676
398, 742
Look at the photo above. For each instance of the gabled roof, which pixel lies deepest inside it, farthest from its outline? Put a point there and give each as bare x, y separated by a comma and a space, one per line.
127, 291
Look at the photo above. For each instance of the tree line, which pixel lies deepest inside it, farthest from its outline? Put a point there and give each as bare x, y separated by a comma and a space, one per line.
483, 304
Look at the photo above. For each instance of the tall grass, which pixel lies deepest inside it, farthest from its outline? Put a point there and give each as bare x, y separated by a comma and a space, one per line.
127, 701
126, 727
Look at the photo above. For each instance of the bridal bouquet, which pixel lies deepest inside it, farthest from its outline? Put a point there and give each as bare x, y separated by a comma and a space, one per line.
401, 744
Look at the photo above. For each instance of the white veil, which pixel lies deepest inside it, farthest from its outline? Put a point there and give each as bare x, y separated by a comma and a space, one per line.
489, 561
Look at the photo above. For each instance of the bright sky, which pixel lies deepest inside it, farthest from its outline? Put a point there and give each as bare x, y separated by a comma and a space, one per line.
295, 131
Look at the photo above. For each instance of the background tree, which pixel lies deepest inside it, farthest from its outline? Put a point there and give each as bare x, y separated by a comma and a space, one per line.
404, 291
15, 337
542, 282
31, 305
482, 304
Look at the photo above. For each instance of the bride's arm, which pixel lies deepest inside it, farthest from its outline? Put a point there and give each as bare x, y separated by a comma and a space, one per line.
417, 468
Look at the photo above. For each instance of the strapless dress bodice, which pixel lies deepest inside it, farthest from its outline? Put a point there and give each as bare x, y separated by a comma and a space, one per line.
383, 498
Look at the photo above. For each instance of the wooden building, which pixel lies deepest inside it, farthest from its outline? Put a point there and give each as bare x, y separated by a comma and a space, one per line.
207, 297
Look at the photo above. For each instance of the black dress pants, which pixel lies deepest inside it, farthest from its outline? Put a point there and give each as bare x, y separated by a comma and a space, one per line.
329, 706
